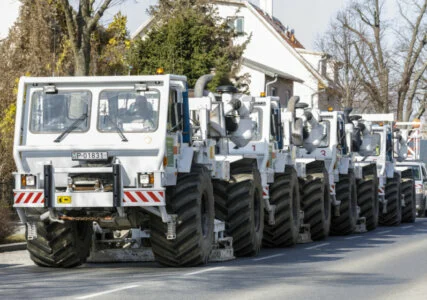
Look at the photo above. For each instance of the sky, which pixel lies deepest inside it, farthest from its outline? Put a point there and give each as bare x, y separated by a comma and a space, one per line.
8, 15
308, 18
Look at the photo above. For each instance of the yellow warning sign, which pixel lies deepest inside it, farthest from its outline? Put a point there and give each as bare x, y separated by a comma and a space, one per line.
63, 199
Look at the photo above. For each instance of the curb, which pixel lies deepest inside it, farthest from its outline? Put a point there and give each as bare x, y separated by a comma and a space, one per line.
13, 247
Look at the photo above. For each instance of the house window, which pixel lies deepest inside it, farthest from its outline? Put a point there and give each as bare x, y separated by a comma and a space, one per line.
236, 24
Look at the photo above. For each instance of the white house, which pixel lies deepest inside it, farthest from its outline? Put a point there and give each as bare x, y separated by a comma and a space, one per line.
277, 62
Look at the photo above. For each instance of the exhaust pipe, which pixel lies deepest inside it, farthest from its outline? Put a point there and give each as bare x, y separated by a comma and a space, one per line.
201, 84
292, 102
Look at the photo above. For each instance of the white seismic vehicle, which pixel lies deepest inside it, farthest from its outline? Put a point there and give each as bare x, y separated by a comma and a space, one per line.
119, 153
325, 167
252, 142
396, 194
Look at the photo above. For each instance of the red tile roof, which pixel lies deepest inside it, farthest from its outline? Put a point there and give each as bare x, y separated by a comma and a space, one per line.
285, 33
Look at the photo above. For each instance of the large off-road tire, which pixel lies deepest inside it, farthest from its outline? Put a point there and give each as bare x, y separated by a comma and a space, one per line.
284, 193
61, 245
315, 201
240, 204
367, 196
193, 203
346, 192
393, 217
407, 185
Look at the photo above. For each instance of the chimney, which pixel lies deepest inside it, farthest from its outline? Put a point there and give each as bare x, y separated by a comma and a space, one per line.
267, 6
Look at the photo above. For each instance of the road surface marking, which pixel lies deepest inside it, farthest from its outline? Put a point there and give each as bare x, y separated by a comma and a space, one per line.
267, 257
385, 231
317, 246
406, 227
353, 237
107, 292
204, 271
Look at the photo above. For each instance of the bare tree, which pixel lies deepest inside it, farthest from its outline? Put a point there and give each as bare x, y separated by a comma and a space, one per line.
374, 73
413, 47
349, 41
375, 70
80, 25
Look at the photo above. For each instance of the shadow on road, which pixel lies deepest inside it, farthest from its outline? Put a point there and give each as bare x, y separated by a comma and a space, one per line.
291, 266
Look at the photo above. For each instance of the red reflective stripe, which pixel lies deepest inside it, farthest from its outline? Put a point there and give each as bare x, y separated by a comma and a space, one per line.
129, 195
153, 196
42, 201
37, 197
20, 198
142, 197
28, 197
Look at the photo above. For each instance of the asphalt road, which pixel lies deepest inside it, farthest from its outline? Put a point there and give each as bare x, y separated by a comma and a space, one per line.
388, 263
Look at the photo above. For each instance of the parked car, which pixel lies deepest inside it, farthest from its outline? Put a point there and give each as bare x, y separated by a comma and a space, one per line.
420, 176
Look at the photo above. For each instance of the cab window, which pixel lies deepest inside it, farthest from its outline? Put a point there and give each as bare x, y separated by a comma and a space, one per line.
54, 112
129, 111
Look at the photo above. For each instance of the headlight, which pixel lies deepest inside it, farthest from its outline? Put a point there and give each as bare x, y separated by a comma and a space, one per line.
418, 191
28, 180
146, 179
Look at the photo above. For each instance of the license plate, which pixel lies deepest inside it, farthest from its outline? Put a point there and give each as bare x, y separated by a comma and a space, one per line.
63, 199
89, 155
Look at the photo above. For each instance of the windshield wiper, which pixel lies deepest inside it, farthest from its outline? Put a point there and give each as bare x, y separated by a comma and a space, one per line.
118, 130
73, 126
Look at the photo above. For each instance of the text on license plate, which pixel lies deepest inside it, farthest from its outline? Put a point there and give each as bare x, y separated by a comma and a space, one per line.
89, 155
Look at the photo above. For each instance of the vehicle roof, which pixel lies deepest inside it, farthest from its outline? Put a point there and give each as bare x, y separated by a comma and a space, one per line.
103, 79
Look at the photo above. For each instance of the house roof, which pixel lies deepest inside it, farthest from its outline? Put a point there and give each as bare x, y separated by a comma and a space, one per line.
268, 70
144, 26
286, 33
276, 27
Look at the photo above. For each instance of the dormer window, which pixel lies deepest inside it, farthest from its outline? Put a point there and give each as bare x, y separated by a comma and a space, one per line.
236, 24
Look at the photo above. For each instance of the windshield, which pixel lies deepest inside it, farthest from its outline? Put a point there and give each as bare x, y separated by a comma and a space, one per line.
128, 111
415, 170
317, 135
371, 145
52, 113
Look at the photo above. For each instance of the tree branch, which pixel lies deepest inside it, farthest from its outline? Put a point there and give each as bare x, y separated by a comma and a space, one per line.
91, 25
71, 23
